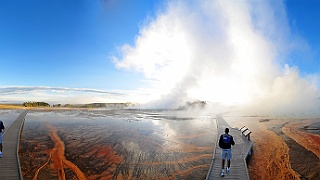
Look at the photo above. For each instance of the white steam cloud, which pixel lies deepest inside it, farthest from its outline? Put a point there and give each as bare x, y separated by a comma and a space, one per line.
231, 52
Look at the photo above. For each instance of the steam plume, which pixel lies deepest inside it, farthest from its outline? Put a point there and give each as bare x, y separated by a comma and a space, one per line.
231, 52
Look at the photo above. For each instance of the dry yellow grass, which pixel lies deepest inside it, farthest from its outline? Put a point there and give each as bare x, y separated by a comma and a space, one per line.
11, 106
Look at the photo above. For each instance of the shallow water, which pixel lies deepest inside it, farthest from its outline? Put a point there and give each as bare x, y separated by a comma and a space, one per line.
9, 116
117, 144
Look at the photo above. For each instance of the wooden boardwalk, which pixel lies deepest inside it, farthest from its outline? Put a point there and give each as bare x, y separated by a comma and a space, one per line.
9, 163
240, 151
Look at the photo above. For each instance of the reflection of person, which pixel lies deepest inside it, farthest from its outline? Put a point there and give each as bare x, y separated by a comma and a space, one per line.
1, 131
225, 143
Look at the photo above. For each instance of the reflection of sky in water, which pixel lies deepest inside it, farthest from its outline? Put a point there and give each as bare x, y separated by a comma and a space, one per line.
130, 117
143, 140
167, 130
8, 116
130, 126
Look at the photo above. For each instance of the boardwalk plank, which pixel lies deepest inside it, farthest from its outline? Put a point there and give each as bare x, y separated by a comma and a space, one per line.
239, 152
9, 163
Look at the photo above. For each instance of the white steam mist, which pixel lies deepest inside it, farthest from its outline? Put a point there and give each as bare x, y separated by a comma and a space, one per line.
230, 52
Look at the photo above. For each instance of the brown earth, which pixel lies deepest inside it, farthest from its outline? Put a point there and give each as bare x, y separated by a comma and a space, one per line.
304, 150
307, 140
271, 158
281, 150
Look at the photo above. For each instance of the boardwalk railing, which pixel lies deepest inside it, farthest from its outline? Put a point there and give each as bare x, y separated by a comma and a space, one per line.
9, 163
214, 152
245, 131
240, 152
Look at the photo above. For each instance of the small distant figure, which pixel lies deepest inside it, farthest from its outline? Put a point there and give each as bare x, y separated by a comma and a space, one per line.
1, 131
225, 142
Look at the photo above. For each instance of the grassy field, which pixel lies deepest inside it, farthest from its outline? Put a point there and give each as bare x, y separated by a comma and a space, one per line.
12, 106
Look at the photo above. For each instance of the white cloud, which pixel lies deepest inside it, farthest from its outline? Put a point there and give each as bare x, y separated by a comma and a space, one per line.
60, 95
220, 51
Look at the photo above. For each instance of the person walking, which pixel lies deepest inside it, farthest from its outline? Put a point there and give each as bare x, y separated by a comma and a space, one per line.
225, 142
1, 131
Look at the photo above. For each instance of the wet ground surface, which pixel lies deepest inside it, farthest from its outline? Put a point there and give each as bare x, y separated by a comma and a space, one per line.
284, 148
305, 164
9, 116
157, 145
303, 139
119, 144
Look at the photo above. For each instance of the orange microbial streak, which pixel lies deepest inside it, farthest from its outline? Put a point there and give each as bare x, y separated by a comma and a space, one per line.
59, 161
111, 160
271, 158
307, 140
35, 177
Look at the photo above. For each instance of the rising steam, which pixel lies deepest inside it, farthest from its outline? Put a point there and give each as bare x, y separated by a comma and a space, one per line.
230, 52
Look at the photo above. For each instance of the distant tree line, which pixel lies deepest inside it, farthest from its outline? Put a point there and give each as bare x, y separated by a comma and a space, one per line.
194, 104
36, 104
96, 105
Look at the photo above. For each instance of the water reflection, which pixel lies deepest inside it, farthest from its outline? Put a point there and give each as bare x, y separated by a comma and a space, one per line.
8, 116
117, 144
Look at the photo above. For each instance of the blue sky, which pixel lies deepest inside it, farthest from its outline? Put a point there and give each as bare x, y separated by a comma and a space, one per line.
80, 50
303, 19
67, 44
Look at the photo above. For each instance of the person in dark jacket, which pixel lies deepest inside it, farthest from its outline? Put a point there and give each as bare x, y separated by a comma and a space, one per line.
225, 142
1, 131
